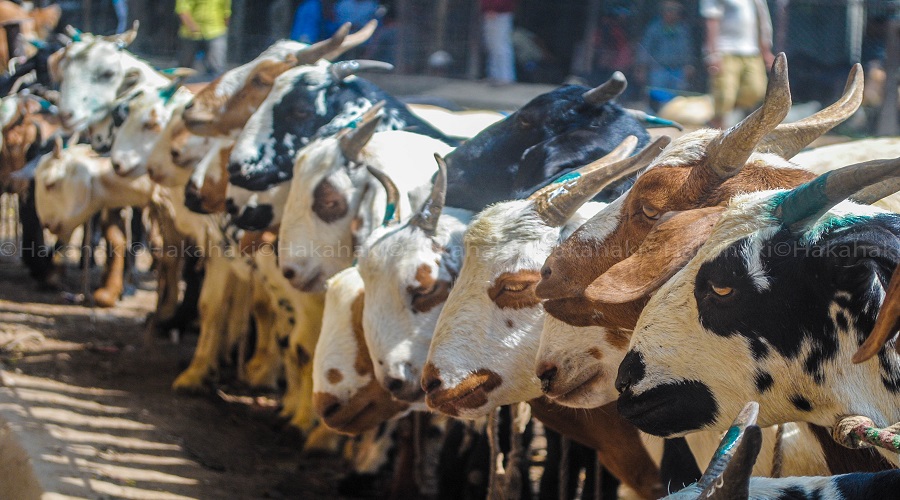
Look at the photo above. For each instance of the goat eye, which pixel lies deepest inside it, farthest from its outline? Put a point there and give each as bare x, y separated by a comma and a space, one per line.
515, 287
650, 212
106, 75
722, 291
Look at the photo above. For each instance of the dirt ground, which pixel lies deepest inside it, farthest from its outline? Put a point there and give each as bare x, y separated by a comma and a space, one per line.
92, 405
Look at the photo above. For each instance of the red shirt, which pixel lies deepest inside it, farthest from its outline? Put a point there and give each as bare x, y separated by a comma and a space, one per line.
498, 5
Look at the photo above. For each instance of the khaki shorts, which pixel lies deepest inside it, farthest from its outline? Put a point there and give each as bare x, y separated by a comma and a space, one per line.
741, 83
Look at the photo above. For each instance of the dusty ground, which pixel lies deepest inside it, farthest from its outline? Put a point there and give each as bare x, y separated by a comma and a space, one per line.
92, 406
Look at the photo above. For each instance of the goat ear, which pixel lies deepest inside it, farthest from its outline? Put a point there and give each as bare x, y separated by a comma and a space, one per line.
669, 246
129, 82
886, 324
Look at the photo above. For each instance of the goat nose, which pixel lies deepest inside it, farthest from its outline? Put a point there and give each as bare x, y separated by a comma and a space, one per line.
631, 371
431, 383
547, 372
546, 271
394, 385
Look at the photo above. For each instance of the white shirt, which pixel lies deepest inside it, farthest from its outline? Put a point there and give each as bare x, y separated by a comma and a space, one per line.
738, 24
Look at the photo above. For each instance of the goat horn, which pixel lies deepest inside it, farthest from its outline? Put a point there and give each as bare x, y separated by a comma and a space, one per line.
123, 39
427, 217
790, 138
341, 70
810, 201
729, 445
373, 112
391, 212
353, 40
875, 192
727, 153
353, 141
651, 121
886, 323
556, 203
607, 90
735, 479
318, 50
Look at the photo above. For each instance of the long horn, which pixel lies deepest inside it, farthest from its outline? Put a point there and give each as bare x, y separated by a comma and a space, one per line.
729, 444
391, 212
875, 192
810, 201
607, 90
341, 70
354, 40
354, 140
319, 50
427, 217
651, 121
790, 138
727, 153
556, 203
886, 324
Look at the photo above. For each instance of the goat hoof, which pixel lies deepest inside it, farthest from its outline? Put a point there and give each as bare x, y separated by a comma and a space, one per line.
259, 374
104, 297
192, 382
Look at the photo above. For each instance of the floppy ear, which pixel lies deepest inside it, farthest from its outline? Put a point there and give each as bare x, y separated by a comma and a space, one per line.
129, 82
671, 244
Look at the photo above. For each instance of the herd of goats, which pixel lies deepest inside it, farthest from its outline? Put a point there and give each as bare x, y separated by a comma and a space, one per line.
430, 280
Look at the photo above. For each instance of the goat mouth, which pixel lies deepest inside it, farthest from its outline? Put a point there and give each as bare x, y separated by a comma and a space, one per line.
312, 284
576, 390
469, 400
670, 409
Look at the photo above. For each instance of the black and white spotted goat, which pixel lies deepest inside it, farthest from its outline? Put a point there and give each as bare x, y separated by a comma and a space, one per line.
772, 308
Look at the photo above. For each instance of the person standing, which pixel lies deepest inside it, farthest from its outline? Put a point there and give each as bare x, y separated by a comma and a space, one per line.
121, 8
204, 26
666, 58
497, 18
737, 53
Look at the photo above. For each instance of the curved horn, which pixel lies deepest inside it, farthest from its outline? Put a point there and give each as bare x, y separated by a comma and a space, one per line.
810, 201
886, 323
729, 445
354, 40
341, 70
790, 138
728, 153
124, 39
875, 192
391, 212
607, 90
735, 479
353, 141
556, 203
319, 50
427, 217
651, 121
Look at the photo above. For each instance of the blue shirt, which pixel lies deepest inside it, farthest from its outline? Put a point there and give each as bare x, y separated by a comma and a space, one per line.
309, 24
668, 46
